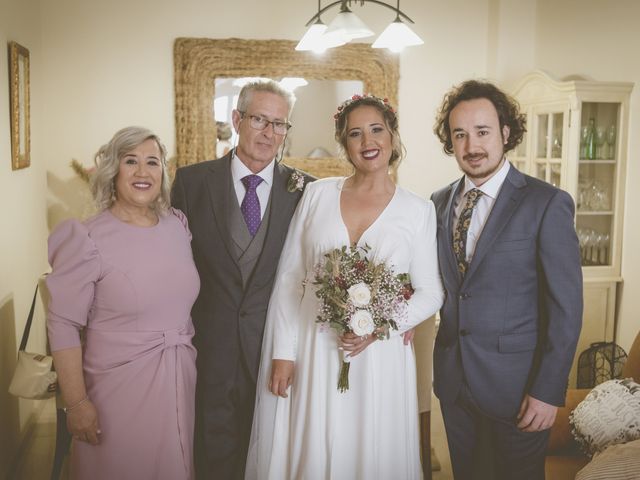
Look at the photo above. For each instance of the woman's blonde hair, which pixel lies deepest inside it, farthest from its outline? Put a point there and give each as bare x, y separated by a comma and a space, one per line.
107, 162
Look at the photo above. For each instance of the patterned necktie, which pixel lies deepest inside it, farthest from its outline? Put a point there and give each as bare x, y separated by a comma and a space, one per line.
462, 228
250, 207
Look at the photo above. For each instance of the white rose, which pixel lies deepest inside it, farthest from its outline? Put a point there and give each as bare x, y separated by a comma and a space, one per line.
362, 323
359, 294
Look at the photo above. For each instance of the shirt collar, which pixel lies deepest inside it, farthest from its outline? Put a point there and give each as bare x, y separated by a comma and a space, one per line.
491, 187
239, 170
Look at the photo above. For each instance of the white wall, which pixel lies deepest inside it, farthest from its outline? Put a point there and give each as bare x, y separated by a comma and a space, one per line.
456, 47
23, 229
112, 65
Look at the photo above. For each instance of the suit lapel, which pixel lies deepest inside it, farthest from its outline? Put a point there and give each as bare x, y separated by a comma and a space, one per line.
283, 204
219, 183
508, 200
448, 228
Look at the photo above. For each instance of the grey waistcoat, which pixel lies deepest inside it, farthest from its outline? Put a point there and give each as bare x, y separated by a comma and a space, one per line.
246, 248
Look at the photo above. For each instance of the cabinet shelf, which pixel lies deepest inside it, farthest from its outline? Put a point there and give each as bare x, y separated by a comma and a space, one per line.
584, 161
595, 212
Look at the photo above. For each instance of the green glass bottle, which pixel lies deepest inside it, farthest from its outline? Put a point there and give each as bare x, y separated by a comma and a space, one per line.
590, 144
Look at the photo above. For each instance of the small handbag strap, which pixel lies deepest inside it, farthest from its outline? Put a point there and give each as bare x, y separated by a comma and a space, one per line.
27, 326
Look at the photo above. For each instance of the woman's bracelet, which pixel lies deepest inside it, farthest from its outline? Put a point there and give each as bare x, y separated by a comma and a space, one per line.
68, 409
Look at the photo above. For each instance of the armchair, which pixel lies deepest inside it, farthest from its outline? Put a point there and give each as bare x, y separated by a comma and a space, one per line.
564, 458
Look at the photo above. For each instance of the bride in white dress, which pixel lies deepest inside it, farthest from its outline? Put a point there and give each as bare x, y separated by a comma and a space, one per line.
303, 426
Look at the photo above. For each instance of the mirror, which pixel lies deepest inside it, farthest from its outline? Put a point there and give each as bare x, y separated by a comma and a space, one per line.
313, 126
200, 63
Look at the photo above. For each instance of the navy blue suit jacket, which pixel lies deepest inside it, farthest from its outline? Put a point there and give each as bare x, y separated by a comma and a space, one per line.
510, 327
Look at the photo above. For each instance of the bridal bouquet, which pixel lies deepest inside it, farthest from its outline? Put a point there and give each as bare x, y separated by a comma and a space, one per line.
359, 296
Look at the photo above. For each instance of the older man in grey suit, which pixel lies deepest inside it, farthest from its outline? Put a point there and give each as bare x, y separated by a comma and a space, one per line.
510, 264
239, 208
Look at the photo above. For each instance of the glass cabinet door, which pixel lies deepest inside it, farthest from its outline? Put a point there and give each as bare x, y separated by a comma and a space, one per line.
549, 152
597, 168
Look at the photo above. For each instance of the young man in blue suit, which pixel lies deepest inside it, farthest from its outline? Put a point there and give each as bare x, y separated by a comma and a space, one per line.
510, 264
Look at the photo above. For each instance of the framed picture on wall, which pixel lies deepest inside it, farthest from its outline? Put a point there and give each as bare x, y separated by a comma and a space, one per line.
19, 105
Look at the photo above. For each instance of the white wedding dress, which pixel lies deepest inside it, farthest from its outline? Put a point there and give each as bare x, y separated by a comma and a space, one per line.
370, 431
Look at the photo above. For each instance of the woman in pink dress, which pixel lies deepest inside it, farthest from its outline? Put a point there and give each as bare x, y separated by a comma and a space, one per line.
126, 277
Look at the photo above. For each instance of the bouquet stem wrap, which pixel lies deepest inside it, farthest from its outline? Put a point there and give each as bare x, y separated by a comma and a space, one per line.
343, 378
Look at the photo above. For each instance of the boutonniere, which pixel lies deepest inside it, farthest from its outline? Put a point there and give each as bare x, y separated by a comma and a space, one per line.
296, 181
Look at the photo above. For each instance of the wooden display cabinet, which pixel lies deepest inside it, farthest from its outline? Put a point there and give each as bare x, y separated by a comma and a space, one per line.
558, 148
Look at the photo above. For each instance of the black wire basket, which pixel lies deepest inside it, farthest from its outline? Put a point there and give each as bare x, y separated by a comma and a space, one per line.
600, 362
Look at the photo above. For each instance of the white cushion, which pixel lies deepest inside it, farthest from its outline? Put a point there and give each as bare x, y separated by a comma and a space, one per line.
610, 414
617, 462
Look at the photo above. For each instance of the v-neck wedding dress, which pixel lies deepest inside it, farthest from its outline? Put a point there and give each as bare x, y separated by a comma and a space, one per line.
371, 430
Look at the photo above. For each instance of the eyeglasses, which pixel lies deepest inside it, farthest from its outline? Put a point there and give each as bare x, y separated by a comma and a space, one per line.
260, 123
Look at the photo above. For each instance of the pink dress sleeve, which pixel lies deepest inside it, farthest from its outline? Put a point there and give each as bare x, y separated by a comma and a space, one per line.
183, 219
75, 262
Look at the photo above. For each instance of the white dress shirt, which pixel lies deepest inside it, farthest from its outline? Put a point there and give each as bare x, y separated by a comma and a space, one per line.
239, 170
490, 189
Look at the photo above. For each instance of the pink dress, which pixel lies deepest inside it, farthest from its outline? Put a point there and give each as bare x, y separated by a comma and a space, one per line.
132, 288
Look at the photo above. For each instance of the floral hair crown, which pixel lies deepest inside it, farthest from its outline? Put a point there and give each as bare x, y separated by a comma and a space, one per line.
383, 102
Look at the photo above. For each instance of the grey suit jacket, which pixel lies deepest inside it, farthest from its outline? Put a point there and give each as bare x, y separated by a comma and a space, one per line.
510, 327
229, 318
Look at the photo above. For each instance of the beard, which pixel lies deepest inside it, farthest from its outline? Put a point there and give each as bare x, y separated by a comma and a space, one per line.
485, 171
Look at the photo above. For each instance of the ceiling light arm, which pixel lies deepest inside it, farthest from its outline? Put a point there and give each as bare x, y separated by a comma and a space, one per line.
343, 3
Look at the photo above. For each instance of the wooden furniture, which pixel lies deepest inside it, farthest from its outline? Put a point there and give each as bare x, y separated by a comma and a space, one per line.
423, 342
564, 459
558, 149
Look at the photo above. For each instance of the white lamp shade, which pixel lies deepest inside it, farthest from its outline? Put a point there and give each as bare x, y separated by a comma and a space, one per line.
397, 36
317, 40
348, 24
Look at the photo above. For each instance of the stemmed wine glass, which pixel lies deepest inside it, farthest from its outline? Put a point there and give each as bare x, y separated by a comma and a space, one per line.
601, 135
611, 141
603, 248
584, 133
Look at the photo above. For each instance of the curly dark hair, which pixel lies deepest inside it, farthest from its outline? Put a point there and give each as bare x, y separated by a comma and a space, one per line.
507, 107
390, 120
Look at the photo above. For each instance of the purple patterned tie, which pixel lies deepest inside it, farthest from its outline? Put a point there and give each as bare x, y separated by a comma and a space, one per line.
250, 204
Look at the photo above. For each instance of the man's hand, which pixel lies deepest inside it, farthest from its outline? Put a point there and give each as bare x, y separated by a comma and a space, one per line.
536, 415
281, 376
407, 337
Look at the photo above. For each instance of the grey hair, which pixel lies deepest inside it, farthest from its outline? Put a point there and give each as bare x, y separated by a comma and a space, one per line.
244, 99
107, 161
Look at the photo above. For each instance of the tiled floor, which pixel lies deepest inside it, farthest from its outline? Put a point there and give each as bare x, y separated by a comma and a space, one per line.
439, 443
36, 462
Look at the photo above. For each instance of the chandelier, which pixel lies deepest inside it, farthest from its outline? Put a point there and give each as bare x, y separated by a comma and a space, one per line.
346, 26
